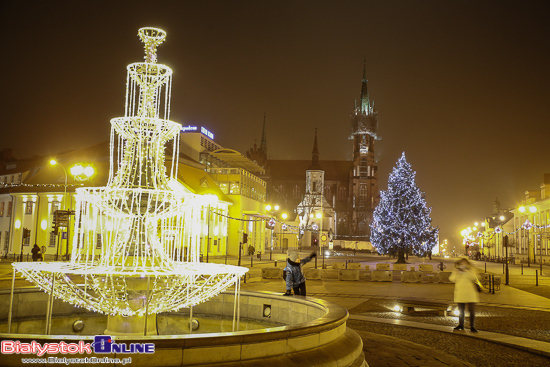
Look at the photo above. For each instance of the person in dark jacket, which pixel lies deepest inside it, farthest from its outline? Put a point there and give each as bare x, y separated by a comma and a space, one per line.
295, 278
36, 254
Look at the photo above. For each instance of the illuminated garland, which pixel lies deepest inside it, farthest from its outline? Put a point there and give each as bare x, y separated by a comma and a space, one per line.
42, 185
498, 230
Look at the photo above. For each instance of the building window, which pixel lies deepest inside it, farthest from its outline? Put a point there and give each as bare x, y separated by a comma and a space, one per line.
363, 191
328, 192
1, 209
9, 209
98, 241
53, 239
27, 240
7, 240
55, 206
28, 207
342, 193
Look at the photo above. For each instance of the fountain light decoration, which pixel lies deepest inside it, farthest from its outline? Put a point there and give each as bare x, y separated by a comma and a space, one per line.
136, 247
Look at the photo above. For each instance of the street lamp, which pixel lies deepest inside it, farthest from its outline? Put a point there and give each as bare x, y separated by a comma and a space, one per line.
271, 210
82, 173
53, 162
527, 225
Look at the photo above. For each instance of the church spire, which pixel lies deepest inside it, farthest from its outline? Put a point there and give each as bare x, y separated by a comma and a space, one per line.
315, 155
365, 103
263, 143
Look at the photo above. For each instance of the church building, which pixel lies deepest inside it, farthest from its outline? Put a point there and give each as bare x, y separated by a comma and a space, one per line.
348, 187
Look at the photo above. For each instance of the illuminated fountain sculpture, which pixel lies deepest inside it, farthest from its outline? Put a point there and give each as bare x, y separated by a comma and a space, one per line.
136, 250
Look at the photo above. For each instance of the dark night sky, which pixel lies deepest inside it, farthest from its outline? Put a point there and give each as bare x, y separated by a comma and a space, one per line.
460, 86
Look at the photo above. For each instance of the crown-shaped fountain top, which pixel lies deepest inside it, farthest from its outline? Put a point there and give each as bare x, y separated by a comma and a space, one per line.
151, 37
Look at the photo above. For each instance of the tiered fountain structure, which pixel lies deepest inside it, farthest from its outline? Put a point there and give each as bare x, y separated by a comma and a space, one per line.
135, 254
145, 224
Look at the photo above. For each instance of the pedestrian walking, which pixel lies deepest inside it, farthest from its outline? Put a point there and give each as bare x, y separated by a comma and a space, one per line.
295, 278
466, 291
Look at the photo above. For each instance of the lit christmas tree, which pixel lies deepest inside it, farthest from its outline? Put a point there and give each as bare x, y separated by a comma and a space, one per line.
401, 222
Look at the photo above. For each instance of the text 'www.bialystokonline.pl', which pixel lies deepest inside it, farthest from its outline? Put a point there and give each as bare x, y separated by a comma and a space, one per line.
69, 361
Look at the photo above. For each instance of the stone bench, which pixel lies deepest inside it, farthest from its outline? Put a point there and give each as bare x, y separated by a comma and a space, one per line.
429, 277
382, 266
400, 267
365, 275
426, 267
348, 274
411, 276
313, 274
409, 305
382, 275
272, 273
338, 265
354, 266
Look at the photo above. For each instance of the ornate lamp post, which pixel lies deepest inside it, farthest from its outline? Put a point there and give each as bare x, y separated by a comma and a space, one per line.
53, 162
527, 225
271, 210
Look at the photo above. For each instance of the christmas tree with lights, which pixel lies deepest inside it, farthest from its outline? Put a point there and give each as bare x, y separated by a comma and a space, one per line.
401, 222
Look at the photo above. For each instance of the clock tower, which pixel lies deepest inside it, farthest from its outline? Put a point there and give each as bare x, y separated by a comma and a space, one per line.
364, 176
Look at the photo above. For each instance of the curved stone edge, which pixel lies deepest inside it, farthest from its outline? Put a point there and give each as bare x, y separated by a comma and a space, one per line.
325, 340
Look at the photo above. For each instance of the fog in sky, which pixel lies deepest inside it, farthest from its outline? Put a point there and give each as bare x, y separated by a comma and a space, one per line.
460, 86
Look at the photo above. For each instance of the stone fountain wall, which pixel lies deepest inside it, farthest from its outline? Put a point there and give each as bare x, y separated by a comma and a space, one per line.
314, 333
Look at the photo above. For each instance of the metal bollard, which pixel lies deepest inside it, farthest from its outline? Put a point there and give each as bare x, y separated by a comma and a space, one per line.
537, 277
252, 261
485, 267
503, 268
275, 263
521, 268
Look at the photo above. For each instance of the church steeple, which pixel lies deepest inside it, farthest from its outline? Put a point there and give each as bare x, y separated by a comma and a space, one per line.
365, 103
263, 143
315, 155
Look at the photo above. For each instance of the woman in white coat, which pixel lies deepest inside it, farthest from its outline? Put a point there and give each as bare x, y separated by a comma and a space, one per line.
464, 276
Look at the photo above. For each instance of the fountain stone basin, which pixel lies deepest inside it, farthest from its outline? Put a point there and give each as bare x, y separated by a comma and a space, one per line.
312, 332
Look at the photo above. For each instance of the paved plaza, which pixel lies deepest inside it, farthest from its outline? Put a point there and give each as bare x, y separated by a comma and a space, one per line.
511, 322
431, 341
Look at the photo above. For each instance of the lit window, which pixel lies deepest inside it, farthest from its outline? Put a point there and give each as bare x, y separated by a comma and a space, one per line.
9, 209
1, 209
28, 207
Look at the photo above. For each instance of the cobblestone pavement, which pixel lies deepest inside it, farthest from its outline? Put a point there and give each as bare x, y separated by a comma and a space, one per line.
387, 351
396, 346
530, 324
